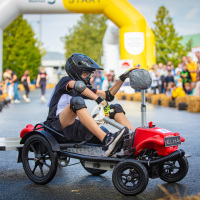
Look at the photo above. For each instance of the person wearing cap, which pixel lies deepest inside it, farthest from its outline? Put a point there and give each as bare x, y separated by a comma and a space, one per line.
68, 112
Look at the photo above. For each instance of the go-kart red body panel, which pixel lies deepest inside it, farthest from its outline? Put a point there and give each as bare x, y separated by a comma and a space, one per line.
28, 128
144, 138
153, 138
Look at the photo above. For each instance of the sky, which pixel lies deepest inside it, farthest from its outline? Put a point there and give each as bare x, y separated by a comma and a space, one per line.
185, 15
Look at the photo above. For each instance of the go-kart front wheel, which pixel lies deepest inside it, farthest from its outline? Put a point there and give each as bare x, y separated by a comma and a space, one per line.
173, 171
130, 177
38, 159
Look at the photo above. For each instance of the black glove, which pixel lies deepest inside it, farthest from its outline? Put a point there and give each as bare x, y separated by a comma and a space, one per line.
125, 75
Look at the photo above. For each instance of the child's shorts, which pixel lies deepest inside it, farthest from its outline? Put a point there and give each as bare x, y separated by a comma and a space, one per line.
76, 132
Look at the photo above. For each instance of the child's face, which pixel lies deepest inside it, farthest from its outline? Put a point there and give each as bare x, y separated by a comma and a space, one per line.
169, 87
109, 78
187, 87
85, 74
184, 59
184, 68
189, 59
174, 87
179, 80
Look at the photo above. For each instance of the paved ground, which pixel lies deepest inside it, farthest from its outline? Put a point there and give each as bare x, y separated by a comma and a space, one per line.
74, 182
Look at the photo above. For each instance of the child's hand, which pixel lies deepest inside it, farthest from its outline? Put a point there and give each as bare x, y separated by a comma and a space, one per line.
125, 75
105, 104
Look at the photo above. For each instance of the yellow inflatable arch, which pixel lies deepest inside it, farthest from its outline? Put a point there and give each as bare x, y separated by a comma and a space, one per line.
136, 38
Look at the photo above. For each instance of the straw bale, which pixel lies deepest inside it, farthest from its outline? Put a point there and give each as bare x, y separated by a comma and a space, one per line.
50, 85
148, 97
182, 100
129, 97
3, 96
155, 98
137, 96
165, 100
21, 87
31, 87
193, 104
119, 95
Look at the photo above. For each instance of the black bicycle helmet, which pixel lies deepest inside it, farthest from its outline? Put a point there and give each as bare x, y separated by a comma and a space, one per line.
79, 63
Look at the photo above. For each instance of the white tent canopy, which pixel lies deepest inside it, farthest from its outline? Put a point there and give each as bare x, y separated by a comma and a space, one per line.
111, 54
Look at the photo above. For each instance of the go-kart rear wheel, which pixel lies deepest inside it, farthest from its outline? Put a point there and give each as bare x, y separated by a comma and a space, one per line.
38, 159
173, 171
95, 172
130, 177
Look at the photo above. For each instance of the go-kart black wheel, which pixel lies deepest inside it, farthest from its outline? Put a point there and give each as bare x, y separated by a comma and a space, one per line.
39, 161
95, 172
173, 171
130, 177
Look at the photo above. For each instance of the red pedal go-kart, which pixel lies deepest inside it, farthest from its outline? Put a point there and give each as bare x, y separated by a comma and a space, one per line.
149, 152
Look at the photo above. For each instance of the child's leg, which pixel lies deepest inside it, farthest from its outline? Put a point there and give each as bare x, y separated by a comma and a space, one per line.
87, 120
77, 107
117, 113
67, 117
123, 120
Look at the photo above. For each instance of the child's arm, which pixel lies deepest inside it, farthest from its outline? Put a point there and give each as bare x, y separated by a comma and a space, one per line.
38, 80
83, 89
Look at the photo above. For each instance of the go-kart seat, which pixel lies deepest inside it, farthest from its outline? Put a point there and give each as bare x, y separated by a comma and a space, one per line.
28, 128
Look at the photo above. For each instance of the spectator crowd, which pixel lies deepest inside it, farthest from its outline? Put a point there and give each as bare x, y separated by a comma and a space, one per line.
179, 81
103, 80
166, 78
9, 85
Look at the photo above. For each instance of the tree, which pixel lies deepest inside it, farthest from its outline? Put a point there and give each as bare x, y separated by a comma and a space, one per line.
188, 45
20, 49
168, 46
86, 37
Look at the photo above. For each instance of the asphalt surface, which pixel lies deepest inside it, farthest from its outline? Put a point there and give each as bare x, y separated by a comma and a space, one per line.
74, 182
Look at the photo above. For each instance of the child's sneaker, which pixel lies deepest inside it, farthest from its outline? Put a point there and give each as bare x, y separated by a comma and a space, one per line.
43, 99
17, 101
24, 97
114, 141
28, 100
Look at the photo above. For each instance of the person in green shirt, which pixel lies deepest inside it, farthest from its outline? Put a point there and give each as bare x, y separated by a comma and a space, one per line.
185, 75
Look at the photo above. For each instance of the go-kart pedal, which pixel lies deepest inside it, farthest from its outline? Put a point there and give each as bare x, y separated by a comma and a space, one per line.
126, 144
114, 142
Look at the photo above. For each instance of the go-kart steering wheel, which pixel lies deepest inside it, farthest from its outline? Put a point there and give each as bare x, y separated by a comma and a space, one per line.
98, 117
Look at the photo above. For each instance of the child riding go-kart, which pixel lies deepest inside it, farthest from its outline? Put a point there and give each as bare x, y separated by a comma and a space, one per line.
71, 132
